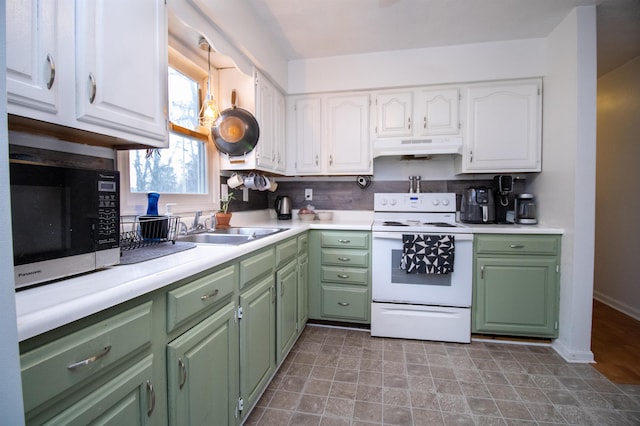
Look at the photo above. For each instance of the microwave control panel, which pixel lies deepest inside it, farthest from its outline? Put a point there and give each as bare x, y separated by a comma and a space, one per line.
108, 213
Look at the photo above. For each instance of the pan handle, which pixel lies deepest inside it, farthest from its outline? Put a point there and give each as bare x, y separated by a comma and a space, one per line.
233, 98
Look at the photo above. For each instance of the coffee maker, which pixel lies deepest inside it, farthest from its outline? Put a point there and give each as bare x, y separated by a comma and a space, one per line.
503, 185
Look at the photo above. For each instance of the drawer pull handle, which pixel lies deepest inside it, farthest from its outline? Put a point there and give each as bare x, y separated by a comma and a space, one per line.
344, 241
183, 373
516, 246
344, 303
343, 276
344, 259
214, 293
52, 72
151, 404
90, 360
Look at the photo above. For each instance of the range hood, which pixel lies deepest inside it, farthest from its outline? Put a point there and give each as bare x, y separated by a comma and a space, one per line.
417, 147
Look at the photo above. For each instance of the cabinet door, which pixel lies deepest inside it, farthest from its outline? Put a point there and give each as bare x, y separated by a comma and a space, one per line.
394, 114
516, 295
308, 135
436, 112
287, 309
265, 114
504, 128
303, 291
32, 54
128, 399
348, 143
257, 339
203, 371
121, 66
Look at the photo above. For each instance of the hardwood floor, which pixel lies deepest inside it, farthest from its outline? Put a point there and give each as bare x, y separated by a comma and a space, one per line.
615, 342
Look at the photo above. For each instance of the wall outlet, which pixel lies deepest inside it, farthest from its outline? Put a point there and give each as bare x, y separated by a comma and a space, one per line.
308, 194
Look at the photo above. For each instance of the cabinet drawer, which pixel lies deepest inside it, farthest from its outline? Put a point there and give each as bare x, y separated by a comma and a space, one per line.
345, 257
345, 239
348, 303
518, 244
188, 300
286, 252
56, 367
345, 275
255, 267
303, 243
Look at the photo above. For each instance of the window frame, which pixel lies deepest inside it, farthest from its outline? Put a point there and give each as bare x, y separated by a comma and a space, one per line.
133, 203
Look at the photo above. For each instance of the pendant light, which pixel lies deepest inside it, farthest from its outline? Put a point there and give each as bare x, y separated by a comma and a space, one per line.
209, 111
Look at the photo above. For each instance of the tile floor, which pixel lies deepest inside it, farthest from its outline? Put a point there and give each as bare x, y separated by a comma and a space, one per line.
346, 377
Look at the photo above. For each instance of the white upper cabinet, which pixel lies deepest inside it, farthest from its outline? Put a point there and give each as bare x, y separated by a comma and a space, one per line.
307, 135
121, 65
436, 112
393, 114
330, 135
348, 144
503, 129
416, 112
32, 55
90, 65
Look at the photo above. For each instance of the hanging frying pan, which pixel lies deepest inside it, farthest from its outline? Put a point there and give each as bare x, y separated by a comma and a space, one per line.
235, 131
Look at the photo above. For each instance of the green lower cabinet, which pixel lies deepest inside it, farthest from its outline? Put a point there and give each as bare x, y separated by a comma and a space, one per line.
257, 339
128, 399
303, 291
287, 309
203, 371
516, 292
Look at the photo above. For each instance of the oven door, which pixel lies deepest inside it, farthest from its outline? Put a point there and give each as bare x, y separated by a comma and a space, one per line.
390, 283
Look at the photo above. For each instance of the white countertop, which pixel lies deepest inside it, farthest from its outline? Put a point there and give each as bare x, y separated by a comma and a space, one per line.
41, 309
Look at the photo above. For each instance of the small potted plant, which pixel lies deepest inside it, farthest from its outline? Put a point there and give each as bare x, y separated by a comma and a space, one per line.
222, 216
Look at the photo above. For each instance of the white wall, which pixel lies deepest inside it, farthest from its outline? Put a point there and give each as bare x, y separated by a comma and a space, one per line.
461, 63
617, 177
566, 188
11, 408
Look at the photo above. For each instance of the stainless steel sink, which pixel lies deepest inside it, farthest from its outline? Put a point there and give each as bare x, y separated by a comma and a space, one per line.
230, 236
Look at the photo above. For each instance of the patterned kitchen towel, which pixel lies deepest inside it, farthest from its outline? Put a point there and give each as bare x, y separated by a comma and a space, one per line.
430, 254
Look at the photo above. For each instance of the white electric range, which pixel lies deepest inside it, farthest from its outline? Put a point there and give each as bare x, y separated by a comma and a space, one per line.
425, 306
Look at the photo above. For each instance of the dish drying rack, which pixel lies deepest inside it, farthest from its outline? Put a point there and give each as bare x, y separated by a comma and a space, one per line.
143, 231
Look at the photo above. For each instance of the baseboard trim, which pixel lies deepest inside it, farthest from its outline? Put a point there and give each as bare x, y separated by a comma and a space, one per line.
617, 305
584, 357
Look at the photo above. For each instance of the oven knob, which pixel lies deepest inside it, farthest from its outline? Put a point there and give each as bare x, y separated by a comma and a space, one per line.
383, 201
393, 202
445, 202
436, 202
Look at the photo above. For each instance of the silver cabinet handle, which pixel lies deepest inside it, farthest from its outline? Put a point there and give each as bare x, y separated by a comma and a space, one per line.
214, 293
183, 373
516, 246
482, 271
471, 156
282, 290
52, 71
92, 81
90, 360
343, 276
344, 303
409, 123
425, 121
151, 403
344, 241
331, 160
344, 259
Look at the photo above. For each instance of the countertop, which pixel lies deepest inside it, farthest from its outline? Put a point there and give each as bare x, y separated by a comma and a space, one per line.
46, 307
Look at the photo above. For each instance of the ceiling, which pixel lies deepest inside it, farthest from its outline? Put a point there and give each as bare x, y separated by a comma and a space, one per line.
320, 28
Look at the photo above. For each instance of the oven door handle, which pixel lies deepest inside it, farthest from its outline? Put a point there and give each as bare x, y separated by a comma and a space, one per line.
398, 235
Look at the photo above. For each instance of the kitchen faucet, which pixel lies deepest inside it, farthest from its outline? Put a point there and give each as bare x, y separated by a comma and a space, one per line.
196, 226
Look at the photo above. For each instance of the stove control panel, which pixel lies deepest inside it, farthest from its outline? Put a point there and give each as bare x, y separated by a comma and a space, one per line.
422, 202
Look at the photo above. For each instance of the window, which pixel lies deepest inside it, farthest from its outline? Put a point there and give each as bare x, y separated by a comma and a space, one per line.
185, 173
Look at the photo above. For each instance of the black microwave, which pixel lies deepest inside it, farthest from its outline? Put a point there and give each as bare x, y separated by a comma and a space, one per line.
65, 221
